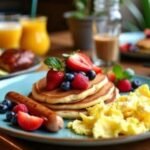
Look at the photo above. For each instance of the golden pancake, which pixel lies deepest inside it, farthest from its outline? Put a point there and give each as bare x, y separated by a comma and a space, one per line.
58, 96
144, 43
75, 113
102, 94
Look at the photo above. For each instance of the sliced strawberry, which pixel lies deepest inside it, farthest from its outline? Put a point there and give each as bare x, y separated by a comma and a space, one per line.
28, 122
54, 79
124, 85
20, 107
80, 82
79, 62
97, 69
111, 76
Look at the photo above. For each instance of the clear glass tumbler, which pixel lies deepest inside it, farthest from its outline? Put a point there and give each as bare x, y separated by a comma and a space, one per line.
106, 30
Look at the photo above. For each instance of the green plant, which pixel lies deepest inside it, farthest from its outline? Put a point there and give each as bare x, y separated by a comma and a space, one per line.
83, 8
141, 17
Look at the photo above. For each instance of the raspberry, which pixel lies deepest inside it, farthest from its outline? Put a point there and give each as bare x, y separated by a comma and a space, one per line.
20, 107
80, 82
124, 85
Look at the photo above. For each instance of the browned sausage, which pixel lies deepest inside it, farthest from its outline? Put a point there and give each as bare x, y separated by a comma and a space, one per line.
53, 123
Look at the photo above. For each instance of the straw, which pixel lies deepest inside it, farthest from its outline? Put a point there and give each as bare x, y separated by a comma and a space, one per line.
34, 8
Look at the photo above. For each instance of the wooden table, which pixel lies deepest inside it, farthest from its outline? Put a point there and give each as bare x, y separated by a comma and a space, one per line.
61, 42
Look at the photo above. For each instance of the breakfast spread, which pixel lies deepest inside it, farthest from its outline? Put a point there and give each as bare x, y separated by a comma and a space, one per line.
12, 60
74, 88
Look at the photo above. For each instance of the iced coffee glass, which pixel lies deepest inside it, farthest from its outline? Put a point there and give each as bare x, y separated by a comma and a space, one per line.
106, 30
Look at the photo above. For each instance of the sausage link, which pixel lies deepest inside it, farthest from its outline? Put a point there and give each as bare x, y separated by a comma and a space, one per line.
54, 122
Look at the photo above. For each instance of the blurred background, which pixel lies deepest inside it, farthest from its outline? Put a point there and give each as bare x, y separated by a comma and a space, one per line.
54, 9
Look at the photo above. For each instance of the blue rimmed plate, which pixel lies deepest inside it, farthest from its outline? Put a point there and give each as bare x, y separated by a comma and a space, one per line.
23, 84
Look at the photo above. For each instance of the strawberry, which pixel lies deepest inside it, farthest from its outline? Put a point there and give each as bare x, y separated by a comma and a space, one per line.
125, 47
124, 85
28, 122
111, 76
54, 79
79, 62
147, 33
20, 107
55, 75
80, 82
97, 69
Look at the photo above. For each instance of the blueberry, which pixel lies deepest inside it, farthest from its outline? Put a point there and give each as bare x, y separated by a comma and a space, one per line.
3, 108
135, 84
69, 76
91, 74
133, 48
14, 120
65, 85
10, 115
8, 103
83, 73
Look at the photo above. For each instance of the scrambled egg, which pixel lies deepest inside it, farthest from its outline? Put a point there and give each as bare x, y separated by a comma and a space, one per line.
127, 115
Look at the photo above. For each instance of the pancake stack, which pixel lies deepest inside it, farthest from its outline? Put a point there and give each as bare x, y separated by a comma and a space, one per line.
69, 104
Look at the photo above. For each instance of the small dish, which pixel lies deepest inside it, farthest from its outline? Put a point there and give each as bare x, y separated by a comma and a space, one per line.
133, 37
35, 66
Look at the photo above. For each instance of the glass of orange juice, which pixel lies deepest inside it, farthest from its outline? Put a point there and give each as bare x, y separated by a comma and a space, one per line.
10, 33
34, 35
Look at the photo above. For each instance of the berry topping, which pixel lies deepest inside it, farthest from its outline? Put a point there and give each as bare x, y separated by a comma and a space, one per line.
91, 74
79, 62
65, 85
124, 85
54, 79
111, 76
80, 82
20, 107
147, 33
97, 69
125, 47
10, 115
28, 122
135, 84
133, 48
55, 75
69, 76
8, 103
14, 120
3, 108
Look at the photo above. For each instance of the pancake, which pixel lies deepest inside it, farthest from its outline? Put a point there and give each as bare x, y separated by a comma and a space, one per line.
103, 94
144, 44
58, 96
75, 113
70, 114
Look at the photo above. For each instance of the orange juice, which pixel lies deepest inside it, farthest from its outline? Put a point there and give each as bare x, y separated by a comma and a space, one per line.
34, 35
10, 33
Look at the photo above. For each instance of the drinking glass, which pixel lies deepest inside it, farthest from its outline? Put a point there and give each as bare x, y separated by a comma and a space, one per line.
10, 31
106, 30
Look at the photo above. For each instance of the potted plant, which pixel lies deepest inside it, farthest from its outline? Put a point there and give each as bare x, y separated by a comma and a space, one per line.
80, 24
140, 15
